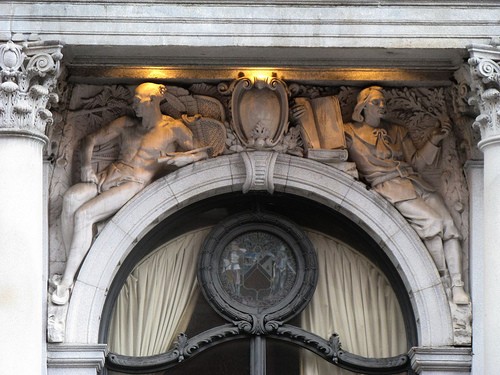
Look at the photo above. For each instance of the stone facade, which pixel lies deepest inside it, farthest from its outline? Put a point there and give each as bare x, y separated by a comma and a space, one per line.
434, 63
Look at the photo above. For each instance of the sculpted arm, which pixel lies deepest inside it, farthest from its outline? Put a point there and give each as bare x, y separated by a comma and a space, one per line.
428, 153
184, 140
184, 137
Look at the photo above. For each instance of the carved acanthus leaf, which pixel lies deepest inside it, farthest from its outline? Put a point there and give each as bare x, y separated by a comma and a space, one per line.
485, 85
28, 76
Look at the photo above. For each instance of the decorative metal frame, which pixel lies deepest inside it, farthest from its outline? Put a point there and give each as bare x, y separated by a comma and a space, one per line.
258, 319
251, 320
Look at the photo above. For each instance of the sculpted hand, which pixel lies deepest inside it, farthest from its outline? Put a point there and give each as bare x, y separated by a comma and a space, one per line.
101, 179
297, 111
439, 134
180, 160
88, 175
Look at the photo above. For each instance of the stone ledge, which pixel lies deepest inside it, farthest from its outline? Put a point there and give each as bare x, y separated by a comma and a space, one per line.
91, 356
313, 24
449, 360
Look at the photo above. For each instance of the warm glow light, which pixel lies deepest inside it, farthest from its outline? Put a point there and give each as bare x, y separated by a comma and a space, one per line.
157, 73
331, 76
260, 74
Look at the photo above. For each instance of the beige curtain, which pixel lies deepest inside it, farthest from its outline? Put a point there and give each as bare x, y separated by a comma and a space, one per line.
354, 299
157, 299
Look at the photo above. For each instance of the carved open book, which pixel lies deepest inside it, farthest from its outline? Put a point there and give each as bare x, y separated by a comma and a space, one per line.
322, 129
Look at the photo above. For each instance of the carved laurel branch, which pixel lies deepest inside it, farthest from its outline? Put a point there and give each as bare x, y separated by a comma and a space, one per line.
328, 349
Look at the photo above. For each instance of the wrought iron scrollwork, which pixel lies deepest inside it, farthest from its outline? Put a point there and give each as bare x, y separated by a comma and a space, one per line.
183, 349
331, 350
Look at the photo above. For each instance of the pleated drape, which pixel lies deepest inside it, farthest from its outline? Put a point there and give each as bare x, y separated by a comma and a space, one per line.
354, 299
157, 299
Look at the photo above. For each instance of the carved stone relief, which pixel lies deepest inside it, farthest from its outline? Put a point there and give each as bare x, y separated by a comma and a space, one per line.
222, 117
259, 110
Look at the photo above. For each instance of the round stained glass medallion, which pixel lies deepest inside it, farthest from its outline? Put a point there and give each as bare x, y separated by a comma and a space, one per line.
257, 267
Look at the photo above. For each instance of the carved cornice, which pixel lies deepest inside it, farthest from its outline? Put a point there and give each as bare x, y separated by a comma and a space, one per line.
83, 356
28, 73
485, 85
452, 359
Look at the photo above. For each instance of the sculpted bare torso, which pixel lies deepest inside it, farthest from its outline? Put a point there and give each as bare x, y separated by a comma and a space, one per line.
142, 140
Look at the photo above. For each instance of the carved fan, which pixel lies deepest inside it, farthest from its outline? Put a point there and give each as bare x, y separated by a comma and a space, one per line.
207, 133
179, 101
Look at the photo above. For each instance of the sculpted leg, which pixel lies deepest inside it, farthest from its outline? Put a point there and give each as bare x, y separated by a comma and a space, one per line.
453, 254
73, 199
96, 209
451, 248
435, 247
431, 221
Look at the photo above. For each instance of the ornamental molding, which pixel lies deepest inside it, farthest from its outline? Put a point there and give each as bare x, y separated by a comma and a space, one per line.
259, 110
82, 356
259, 168
485, 90
446, 359
257, 270
28, 72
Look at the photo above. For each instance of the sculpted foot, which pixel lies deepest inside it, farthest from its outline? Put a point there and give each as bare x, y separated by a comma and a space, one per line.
459, 295
60, 296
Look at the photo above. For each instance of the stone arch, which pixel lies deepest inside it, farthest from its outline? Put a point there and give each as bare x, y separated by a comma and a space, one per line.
292, 175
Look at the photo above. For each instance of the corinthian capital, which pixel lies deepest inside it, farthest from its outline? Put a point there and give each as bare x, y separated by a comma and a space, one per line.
485, 86
28, 72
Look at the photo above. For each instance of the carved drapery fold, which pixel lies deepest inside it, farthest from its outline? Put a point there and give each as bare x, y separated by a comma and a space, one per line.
28, 74
485, 85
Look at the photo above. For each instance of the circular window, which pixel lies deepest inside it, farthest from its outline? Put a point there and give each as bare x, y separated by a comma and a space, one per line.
257, 269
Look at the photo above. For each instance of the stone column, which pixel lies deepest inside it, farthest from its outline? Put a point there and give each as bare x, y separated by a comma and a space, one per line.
28, 74
474, 173
485, 87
